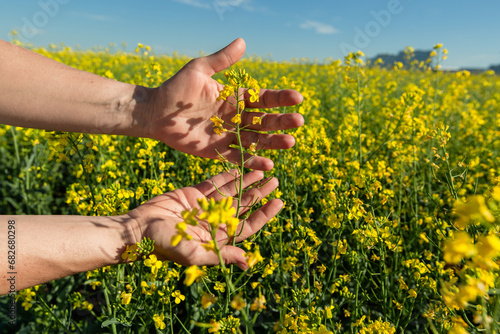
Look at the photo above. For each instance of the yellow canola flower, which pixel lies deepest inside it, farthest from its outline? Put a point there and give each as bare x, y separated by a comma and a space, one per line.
181, 233
474, 209
218, 125
130, 253
469, 292
209, 246
179, 297
87, 306
214, 326
225, 92
253, 257
253, 90
255, 284
458, 248
241, 105
219, 286
192, 273
458, 297
378, 326
219, 131
359, 321
146, 289
27, 295
158, 319
126, 298
154, 263
257, 120
238, 302
458, 329
190, 216
253, 84
495, 194
176, 239
95, 284
217, 121
221, 212
488, 246
232, 224
236, 119
254, 95
259, 303
488, 249
208, 299
253, 148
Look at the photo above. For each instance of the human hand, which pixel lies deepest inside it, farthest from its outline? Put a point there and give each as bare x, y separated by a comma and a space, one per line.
157, 218
181, 108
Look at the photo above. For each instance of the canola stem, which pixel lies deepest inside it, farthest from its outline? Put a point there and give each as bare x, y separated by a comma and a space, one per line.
49, 309
242, 166
108, 305
229, 283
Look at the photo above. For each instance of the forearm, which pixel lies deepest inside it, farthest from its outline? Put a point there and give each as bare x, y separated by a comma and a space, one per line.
38, 92
45, 248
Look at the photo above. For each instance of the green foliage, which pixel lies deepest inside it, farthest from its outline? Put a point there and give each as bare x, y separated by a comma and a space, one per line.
369, 190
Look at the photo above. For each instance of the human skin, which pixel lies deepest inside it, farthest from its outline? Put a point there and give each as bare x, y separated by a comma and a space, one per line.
37, 92
49, 247
41, 93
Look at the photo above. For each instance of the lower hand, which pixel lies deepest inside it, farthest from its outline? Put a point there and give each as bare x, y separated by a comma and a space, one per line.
157, 218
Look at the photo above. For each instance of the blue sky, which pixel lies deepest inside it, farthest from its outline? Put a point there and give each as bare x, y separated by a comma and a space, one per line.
282, 30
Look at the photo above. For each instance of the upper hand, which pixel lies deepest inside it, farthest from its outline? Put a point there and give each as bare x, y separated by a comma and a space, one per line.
157, 218
181, 108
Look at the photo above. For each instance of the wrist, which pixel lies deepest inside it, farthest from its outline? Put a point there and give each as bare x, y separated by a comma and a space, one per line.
136, 110
133, 230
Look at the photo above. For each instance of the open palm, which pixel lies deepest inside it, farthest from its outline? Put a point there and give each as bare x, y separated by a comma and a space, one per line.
158, 217
183, 105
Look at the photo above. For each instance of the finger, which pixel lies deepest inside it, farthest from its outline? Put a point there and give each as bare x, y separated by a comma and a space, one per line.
252, 162
259, 218
260, 163
255, 195
223, 58
218, 181
273, 122
234, 255
270, 98
230, 188
200, 257
267, 141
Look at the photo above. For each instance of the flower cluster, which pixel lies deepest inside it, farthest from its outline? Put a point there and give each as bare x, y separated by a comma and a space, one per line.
218, 213
391, 210
478, 257
234, 89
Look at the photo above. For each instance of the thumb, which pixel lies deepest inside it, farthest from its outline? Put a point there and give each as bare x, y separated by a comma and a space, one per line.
234, 255
225, 57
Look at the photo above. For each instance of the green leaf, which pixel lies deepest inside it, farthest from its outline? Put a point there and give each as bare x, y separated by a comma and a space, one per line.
114, 321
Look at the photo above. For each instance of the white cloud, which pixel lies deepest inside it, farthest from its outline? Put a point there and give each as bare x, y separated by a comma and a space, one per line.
232, 4
243, 3
195, 3
222, 6
319, 28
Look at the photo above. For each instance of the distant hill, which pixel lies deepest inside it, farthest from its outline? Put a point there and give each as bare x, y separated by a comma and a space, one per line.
390, 59
495, 68
420, 55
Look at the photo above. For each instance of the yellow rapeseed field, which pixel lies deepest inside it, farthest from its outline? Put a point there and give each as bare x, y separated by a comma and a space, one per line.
391, 220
